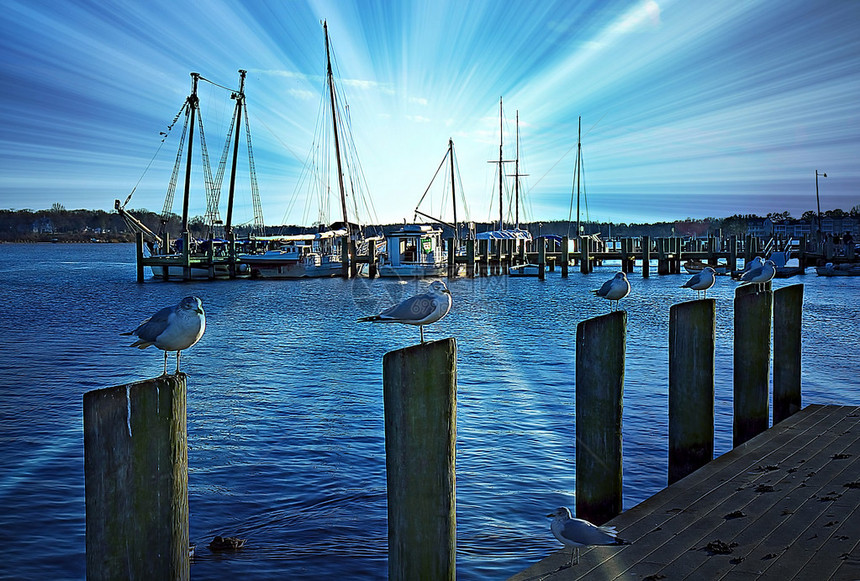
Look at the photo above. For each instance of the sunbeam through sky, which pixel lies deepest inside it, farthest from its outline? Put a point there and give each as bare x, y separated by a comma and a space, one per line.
689, 109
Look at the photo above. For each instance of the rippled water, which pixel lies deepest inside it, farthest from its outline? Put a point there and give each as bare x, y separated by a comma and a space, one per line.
285, 422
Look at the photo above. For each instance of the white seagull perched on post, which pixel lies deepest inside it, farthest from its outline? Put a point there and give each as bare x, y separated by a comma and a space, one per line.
575, 533
419, 310
761, 274
701, 281
172, 328
614, 289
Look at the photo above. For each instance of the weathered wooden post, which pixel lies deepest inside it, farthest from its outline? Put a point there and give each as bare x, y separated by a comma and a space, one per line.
231, 254
483, 257
787, 318
420, 399
138, 243
371, 259
470, 257
136, 479
541, 241
751, 362
584, 261
600, 353
646, 256
452, 257
692, 339
353, 263
186, 256
565, 256
733, 253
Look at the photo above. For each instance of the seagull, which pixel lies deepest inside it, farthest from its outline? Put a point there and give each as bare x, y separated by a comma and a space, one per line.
756, 262
701, 281
761, 274
419, 310
614, 289
172, 328
575, 533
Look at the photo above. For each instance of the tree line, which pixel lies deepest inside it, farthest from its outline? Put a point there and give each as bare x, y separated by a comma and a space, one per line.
60, 224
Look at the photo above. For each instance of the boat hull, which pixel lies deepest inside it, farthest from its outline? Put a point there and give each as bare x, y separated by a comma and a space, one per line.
412, 270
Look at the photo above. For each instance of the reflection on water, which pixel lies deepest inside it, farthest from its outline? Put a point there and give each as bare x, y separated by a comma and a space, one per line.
285, 406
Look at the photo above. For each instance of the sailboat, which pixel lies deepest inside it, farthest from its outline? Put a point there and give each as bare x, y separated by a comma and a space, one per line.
214, 256
417, 250
324, 253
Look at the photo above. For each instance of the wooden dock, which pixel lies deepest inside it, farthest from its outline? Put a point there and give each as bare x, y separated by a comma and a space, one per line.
783, 505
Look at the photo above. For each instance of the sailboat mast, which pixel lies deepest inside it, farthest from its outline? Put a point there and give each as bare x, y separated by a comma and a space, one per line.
578, 172
501, 137
240, 98
193, 104
517, 176
453, 190
334, 126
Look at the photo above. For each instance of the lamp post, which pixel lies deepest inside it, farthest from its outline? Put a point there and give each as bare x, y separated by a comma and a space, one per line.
818, 203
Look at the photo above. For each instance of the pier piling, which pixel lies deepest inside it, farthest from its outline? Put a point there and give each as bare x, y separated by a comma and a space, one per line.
787, 318
600, 355
138, 241
541, 242
692, 339
751, 362
420, 400
136, 480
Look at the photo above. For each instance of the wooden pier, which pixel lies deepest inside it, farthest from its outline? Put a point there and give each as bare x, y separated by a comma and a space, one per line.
783, 505
494, 257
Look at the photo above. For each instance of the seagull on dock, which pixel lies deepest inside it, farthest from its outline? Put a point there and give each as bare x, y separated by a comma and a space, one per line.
614, 289
172, 328
701, 281
760, 275
575, 533
419, 310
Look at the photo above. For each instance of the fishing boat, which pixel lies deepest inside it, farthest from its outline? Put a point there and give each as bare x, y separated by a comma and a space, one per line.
300, 256
192, 256
830, 269
697, 266
414, 251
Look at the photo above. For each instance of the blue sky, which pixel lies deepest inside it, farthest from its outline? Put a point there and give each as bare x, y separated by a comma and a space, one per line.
689, 109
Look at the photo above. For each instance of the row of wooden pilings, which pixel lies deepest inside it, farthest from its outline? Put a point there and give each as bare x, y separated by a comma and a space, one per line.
136, 460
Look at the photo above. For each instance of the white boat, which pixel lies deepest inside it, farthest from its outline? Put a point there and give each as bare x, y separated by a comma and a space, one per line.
697, 266
414, 251
302, 256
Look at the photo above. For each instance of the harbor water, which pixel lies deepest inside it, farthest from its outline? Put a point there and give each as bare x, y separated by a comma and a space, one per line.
285, 419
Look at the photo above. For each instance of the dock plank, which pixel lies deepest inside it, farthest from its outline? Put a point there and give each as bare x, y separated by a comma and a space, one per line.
785, 504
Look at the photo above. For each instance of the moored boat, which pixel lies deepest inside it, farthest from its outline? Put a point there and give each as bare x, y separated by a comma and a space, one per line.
302, 256
414, 251
830, 269
697, 266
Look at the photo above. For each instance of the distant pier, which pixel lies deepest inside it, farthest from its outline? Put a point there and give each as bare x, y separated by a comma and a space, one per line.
219, 259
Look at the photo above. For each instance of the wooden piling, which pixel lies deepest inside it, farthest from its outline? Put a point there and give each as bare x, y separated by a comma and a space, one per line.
646, 256
136, 480
138, 242
565, 256
470, 257
692, 339
186, 256
584, 261
420, 400
541, 258
787, 319
371, 259
483, 257
751, 362
600, 354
